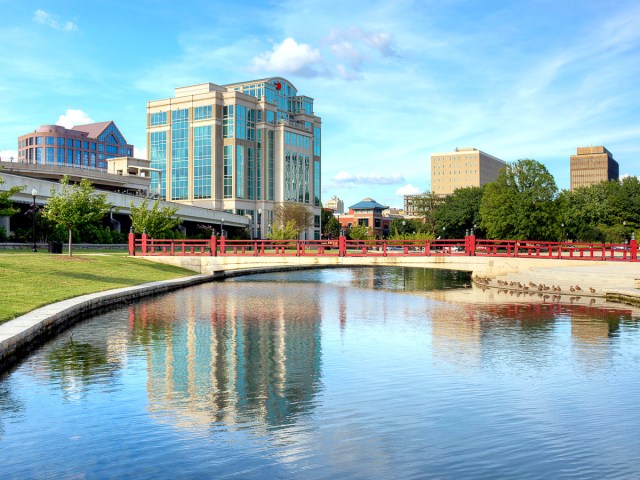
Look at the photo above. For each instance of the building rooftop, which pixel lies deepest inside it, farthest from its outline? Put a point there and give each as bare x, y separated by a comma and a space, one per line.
367, 204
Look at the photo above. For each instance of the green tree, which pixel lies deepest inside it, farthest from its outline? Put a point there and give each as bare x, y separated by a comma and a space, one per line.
425, 206
76, 205
289, 232
158, 221
359, 232
521, 203
459, 212
330, 224
297, 213
6, 206
409, 228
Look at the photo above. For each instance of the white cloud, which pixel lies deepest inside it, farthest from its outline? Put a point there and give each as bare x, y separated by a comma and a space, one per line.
73, 118
367, 179
6, 155
140, 152
408, 189
291, 57
44, 18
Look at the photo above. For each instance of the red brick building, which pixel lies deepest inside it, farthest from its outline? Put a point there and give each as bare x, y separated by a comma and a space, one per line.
367, 212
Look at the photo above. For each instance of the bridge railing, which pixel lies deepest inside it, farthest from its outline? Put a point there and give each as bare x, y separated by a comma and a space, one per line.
341, 247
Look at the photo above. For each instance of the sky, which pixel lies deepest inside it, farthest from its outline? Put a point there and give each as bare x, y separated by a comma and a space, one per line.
393, 81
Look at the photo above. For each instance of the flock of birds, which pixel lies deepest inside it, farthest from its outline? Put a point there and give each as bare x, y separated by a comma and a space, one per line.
532, 288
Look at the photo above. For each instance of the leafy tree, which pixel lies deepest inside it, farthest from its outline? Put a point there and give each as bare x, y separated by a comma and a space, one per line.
408, 228
297, 213
424, 207
459, 212
521, 203
76, 205
604, 212
157, 221
289, 232
330, 224
6, 206
359, 232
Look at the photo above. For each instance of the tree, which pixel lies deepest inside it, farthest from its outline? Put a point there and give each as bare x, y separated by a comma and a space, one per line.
459, 212
521, 203
409, 229
359, 232
158, 221
330, 225
76, 205
288, 232
297, 213
424, 206
6, 206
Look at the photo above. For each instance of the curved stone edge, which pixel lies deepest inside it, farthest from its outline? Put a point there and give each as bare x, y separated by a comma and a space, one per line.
22, 335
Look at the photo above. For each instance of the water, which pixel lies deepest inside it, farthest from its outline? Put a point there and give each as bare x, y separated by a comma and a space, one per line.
354, 373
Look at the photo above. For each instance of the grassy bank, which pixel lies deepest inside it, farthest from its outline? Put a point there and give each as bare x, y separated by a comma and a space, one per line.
31, 280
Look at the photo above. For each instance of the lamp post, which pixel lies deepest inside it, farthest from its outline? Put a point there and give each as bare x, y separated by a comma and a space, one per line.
34, 193
259, 221
222, 227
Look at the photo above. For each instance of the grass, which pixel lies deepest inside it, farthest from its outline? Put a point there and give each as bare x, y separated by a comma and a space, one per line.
31, 280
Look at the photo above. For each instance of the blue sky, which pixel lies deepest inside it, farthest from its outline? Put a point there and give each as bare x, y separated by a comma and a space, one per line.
394, 81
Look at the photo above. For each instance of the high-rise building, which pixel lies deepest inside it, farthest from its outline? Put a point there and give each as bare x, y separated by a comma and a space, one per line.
592, 165
84, 146
335, 204
243, 148
465, 167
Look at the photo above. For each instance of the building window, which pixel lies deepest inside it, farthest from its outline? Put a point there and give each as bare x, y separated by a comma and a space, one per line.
201, 113
241, 122
250, 174
202, 162
159, 118
227, 121
227, 171
240, 172
179, 154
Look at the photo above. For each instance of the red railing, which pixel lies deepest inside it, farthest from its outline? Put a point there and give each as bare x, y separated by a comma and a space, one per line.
468, 246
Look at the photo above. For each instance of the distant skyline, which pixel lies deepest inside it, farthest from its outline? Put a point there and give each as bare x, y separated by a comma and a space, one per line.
393, 82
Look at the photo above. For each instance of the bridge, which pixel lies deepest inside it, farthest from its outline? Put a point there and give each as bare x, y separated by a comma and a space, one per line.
496, 263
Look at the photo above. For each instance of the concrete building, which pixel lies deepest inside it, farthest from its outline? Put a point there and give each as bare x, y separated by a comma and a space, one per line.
592, 165
334, 204
465, 167
367, 212
83, 146
243, 148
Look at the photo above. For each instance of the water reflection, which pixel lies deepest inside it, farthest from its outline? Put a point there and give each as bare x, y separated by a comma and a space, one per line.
339, 373
241, 357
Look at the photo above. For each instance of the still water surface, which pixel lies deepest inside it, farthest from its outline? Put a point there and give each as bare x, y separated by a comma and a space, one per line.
353, 373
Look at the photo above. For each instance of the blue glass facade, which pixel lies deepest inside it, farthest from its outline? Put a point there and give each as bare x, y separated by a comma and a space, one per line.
180, 154
158, 157
202, 162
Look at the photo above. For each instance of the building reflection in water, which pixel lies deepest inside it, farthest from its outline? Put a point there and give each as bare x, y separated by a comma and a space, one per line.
254, 361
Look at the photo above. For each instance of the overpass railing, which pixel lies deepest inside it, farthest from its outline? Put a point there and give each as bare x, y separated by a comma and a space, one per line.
341, 247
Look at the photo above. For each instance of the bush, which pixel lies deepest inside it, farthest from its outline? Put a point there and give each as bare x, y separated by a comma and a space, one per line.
3, 234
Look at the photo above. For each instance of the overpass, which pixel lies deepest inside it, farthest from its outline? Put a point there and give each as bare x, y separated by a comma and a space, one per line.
120, 201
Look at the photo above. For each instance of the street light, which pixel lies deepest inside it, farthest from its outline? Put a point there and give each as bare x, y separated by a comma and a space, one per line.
34, 193
222, 227
259, 220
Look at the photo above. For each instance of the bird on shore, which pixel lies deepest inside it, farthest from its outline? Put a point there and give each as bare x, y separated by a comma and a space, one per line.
578, 289
592, 290
572, 289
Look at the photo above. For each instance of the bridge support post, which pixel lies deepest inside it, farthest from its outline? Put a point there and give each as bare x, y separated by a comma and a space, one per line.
144, 242
132, 243
222, 245
633, 246
213, 248
342, 246
472, 246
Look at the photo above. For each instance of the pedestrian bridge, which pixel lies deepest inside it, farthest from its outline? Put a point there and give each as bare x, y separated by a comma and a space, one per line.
482, 257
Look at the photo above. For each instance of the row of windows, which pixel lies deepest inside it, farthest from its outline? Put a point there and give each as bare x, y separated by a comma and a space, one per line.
297, 140
70, 157
69, 142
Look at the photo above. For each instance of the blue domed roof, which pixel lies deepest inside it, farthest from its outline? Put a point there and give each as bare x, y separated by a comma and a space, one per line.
367, 204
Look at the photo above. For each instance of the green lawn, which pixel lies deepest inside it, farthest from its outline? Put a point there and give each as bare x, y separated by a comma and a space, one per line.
31, 280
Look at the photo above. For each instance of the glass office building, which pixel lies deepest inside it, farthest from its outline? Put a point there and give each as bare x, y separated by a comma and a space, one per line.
83, 146
242, 148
